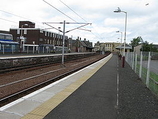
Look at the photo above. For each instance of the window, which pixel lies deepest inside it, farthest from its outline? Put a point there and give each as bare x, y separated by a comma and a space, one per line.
40, 39
45, 33
48, 33
25, 31
18, 31
41, 31
9, 37
2, 37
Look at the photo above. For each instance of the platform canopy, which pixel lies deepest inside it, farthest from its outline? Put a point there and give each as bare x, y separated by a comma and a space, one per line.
8, 42
122, 46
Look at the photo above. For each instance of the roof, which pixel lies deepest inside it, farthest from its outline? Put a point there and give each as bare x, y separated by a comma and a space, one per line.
86, 44
122, 47
8, 42
155, 45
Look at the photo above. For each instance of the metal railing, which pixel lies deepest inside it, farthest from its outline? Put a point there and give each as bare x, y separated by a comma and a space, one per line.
145, 64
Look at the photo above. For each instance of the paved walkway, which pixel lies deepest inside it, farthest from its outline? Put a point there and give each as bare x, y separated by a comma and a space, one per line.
112, 92
95, 99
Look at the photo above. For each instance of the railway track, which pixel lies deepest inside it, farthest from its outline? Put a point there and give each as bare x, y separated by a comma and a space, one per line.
38, 77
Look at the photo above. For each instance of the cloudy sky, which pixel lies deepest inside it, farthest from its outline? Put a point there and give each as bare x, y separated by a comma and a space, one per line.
142, 17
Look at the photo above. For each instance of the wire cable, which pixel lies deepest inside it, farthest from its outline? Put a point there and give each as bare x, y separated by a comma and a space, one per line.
73, 11
8, 20
19, 17
80, 17
59, 11
14, 14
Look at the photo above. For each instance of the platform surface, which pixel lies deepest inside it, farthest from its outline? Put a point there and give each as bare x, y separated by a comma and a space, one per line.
95, 99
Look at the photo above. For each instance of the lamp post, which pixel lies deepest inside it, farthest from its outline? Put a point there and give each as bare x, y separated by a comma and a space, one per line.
120, 53
121, 35
123, 58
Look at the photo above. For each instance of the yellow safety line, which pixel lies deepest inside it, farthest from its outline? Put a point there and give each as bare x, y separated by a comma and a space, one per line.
41, 111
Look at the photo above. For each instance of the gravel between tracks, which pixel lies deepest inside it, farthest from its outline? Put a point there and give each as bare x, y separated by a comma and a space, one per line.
135, 100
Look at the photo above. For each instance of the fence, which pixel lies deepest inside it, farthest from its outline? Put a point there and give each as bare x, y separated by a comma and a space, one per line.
145, 64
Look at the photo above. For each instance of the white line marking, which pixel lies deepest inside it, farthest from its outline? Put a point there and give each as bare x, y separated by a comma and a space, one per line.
117, 101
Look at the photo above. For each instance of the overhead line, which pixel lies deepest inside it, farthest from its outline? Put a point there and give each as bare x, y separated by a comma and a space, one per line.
78, 16
8, 20
13, 14
59, 11
73, 11
17, 16
67, 15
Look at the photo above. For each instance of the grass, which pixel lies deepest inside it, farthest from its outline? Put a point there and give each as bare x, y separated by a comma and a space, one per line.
153, 75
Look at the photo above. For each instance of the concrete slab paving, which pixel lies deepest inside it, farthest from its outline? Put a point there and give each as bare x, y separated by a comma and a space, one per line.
8, 115
23, 107
42, 97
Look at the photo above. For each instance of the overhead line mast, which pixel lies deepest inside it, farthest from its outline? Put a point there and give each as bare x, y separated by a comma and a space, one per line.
48, 23
81, 18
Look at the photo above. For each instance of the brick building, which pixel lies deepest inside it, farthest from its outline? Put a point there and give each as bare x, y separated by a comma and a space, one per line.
79, 45
107, 46
37, 39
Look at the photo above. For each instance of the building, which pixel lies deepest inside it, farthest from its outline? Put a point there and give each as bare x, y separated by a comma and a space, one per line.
36, 39
137, 49
79, 45
7, 45
107, 46
121, 47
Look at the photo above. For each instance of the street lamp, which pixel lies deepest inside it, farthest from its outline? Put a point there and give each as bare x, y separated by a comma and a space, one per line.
120, 41
118, 11
121, 35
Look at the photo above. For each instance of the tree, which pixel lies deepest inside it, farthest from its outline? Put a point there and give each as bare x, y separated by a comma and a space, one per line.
148, 47
145, 46
135, 42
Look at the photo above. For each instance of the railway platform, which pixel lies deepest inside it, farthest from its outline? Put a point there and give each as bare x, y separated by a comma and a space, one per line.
22, 56
25, 60
103, 90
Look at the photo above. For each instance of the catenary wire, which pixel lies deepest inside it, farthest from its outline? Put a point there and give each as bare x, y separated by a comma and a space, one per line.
8, 20
59, 11
73, 11
17, 16
98, 36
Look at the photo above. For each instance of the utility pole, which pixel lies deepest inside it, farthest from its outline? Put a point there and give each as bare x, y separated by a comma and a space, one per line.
63, 43
64, 32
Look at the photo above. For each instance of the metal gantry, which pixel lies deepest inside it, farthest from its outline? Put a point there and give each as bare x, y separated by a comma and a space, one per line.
64, 32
